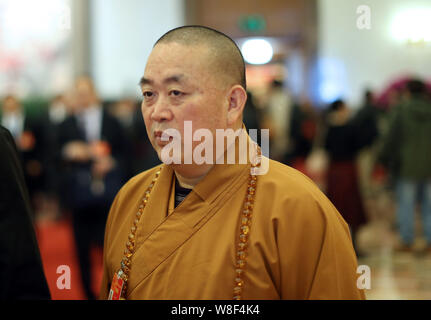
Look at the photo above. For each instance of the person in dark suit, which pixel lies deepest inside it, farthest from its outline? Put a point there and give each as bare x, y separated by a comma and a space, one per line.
21, 273
29, 137
92, 149
141, 155
52, 118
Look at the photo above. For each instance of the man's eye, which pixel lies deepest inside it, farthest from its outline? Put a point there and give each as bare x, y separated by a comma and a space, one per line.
147, 94
175, 93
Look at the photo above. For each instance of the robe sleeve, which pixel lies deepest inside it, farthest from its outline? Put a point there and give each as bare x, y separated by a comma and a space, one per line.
317, 259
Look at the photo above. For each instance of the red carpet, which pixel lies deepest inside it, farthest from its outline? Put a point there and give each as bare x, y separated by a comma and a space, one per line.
57, 247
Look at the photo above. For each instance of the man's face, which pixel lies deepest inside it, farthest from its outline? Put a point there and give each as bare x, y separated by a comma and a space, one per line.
11, 105
179, 85
85, 94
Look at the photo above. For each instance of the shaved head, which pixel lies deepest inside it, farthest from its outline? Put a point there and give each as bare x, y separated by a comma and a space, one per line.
225, 58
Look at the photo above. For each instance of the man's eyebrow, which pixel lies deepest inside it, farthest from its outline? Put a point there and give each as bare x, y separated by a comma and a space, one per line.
172, 79
145, 81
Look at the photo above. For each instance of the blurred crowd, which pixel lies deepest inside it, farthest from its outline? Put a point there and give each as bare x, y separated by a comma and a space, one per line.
355, 154
79, 151
76, 156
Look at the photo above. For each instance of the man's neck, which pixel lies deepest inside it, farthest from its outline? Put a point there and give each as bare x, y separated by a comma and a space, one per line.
190, 181
190, 176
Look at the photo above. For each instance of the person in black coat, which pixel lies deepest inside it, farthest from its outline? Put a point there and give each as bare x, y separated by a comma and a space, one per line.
21, 273
29, 137
92, 152
345, 137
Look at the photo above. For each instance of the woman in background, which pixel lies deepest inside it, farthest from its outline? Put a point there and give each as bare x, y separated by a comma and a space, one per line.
345, 137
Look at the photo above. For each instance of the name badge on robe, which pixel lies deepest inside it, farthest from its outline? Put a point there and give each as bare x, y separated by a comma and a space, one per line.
116, 287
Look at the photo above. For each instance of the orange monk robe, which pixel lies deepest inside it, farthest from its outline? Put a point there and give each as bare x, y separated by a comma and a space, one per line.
299, 245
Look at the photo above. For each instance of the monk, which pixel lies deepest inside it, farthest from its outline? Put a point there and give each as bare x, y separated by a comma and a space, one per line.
217, 229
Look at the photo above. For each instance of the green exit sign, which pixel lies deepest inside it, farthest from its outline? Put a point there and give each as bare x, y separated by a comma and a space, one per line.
252, 23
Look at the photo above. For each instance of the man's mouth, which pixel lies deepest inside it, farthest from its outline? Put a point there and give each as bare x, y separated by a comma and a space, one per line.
158, 138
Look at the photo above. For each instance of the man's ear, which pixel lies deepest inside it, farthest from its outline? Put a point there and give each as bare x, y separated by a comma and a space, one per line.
237, 99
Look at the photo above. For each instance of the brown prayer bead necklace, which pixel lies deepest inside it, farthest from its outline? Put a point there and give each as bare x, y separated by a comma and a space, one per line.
241, 254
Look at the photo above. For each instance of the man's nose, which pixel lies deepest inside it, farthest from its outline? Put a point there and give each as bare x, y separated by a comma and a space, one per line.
161, 111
